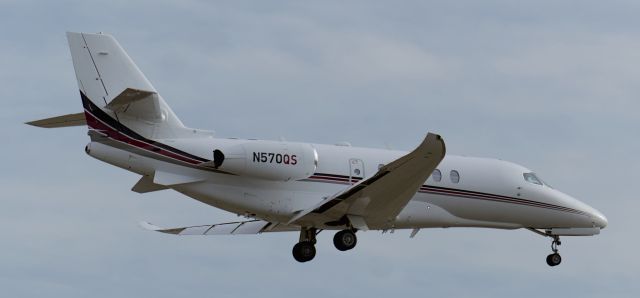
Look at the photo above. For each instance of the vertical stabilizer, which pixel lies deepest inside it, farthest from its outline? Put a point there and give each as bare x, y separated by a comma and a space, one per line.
110, 80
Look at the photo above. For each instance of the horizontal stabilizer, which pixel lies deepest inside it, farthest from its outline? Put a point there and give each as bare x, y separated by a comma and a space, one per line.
127, 97
230, 228
60, 121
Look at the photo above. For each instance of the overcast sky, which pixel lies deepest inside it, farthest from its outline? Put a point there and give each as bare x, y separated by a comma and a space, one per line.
551, 85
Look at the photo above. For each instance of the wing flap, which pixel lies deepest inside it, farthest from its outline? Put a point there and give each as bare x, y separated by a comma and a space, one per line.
230, 228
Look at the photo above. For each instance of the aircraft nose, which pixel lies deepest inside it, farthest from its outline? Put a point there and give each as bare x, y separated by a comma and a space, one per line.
593, 217
599, 219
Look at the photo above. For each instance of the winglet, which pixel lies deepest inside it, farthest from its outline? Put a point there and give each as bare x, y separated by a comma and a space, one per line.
149, 226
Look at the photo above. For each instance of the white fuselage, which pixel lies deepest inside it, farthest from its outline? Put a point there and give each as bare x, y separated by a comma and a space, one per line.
471, 192
290, 186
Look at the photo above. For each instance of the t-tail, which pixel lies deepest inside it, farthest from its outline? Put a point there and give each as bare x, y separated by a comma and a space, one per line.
116, 95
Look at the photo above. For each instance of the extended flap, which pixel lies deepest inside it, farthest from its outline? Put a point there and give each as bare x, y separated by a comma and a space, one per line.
229, 228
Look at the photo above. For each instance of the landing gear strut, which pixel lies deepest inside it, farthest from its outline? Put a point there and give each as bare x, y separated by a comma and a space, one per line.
345, 240
305, 250
554, 259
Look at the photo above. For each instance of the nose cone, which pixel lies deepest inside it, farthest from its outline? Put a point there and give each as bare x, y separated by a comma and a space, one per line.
599, 219
594, 218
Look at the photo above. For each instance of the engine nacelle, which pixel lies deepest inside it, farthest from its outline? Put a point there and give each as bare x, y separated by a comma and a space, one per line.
278, 161
119, 158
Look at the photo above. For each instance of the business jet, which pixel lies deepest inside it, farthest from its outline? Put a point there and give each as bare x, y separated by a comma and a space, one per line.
281, 186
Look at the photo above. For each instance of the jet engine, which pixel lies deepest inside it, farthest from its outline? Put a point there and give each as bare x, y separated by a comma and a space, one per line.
277, 161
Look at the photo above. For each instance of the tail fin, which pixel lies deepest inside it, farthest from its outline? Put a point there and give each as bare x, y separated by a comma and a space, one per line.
110, 81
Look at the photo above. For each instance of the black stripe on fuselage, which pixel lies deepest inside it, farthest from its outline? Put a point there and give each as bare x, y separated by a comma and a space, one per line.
341, 197
100, 115
119, 127
437, 190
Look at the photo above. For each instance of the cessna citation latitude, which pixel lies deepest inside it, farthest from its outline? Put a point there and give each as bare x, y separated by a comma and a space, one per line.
300, 187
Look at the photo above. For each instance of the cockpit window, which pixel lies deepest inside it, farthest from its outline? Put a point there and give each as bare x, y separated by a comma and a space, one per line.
532, 178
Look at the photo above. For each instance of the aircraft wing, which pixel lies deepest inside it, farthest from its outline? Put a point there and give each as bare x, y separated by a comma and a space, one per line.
229, 228
376, 201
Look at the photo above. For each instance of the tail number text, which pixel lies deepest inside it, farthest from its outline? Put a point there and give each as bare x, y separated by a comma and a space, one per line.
270, 157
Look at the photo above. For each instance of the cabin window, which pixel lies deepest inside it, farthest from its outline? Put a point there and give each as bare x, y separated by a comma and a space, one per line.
532, 178
436, 175
455, 176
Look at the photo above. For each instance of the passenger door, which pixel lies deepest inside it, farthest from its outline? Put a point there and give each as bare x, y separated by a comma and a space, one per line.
356, 170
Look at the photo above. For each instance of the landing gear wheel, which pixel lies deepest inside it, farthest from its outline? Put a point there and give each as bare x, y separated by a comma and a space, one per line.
345, 240
554, 259
304, 251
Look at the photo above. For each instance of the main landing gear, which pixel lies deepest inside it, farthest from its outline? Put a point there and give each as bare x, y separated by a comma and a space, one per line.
345, 240
305, 250
554, 259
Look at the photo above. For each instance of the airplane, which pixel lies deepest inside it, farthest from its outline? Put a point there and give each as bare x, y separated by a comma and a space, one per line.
282, 186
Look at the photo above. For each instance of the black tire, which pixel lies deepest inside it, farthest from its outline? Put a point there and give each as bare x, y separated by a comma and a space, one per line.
304, 251
345, 240
554, 259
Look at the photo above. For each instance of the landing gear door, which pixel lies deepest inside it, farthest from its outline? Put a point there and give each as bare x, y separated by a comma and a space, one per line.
356, 170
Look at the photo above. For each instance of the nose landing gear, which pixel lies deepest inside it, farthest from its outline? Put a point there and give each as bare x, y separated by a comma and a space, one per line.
554, 259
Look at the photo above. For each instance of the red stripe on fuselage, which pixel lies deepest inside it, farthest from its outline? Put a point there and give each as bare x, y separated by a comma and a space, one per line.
94, 123
455, 193
498, 198
97, 124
